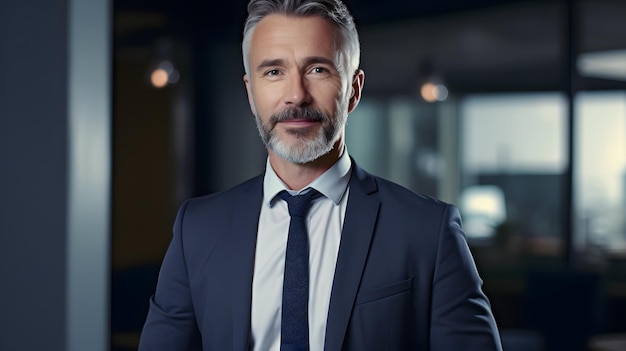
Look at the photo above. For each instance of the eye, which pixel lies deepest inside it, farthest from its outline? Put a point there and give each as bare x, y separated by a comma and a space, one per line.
319, 70
272, 72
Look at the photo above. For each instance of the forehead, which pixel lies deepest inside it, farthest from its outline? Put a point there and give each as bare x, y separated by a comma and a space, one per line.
280, 34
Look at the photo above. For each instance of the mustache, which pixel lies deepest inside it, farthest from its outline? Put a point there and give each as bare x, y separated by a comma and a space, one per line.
304, 113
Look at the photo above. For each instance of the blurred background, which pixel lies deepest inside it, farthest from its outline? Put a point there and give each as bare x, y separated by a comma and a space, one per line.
112, 112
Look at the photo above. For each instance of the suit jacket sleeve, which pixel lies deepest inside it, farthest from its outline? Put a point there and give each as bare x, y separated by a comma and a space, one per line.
171, 323
461, 317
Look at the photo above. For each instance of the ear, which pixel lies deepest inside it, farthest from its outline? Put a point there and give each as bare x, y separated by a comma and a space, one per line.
246, 80
357, 86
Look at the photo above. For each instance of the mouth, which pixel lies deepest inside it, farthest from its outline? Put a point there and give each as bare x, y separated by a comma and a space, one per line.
298, 123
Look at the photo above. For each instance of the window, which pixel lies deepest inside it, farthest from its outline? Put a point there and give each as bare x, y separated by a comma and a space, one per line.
600, 171
513, 156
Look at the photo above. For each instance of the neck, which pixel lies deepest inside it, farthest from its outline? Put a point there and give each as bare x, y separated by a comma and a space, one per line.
298, 175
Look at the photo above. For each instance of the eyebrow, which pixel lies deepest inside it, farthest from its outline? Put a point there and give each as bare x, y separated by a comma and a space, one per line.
307, 62
319, 59
270, 63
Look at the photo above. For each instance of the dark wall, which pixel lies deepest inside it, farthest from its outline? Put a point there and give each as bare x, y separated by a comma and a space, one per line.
33, 173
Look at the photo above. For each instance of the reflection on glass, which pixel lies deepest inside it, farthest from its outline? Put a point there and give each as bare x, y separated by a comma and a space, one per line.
483, 209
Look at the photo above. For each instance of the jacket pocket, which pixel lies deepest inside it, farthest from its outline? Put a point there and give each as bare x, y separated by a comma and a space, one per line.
384, 292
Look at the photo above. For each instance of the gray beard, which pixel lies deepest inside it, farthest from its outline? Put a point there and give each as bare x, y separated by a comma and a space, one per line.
303, 149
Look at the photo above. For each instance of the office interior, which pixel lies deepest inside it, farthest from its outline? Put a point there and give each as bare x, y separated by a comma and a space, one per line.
515, 111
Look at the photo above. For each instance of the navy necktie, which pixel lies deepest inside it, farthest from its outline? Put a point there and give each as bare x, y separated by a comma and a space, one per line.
295, 311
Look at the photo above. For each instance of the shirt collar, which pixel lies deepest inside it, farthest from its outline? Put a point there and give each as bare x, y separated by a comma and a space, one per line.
332, 183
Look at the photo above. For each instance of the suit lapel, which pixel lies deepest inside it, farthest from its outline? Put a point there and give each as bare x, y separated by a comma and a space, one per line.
242, 243
360, 220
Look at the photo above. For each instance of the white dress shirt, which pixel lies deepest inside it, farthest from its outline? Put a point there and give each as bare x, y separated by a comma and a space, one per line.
324, 223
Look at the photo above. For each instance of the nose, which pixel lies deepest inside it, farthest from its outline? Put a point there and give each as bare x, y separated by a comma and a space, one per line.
296, 91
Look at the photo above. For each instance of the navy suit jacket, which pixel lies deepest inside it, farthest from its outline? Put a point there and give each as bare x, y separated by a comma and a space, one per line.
404, 279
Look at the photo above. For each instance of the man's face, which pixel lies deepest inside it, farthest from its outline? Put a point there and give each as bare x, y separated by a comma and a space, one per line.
295, 88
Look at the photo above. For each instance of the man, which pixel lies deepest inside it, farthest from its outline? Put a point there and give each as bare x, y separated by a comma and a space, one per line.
381, 268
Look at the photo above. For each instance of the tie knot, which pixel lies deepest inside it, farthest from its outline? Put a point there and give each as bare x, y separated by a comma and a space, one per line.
299, 204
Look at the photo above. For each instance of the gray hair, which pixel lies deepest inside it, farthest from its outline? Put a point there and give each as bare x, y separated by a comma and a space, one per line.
333, 10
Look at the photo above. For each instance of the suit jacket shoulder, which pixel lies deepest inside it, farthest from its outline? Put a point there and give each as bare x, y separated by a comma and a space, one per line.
394, 191
225, 200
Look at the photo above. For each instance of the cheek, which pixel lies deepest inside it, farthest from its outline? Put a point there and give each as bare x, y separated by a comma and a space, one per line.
328, 93
266, 99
